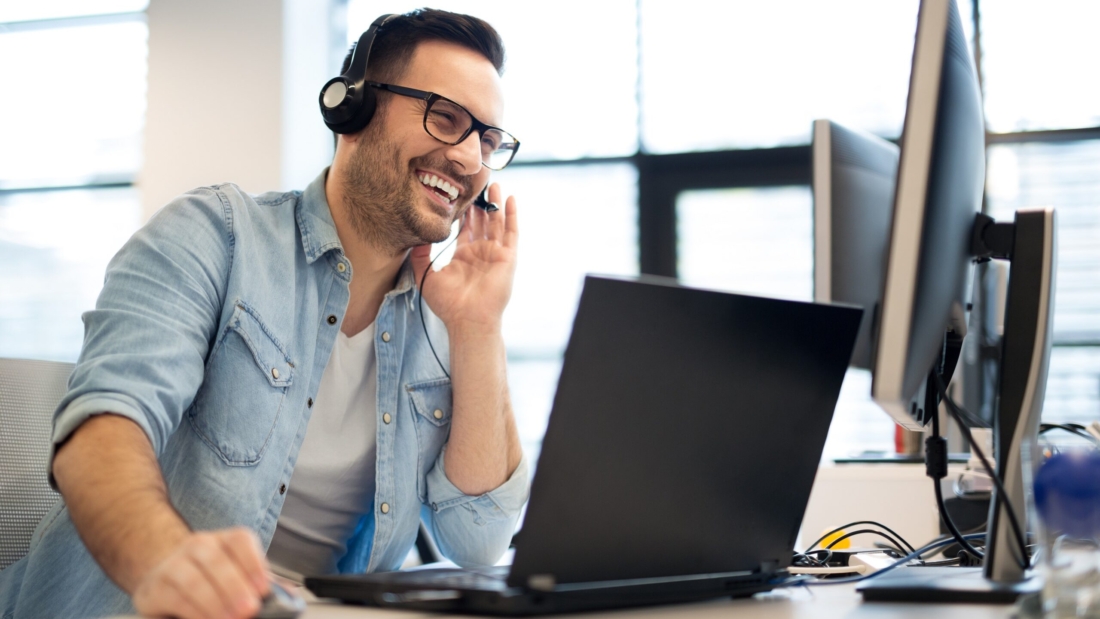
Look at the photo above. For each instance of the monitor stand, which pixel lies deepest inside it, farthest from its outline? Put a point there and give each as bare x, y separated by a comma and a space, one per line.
944, 585
1030, 245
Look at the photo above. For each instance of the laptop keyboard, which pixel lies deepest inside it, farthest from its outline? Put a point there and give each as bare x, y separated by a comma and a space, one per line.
491, 579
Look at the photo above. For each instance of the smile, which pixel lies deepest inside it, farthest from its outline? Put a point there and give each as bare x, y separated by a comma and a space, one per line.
441, 186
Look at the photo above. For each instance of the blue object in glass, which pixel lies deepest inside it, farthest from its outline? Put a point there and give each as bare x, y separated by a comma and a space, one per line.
1067, 493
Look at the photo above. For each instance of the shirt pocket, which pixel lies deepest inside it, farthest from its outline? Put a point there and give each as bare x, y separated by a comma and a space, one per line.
243, 390
431, 404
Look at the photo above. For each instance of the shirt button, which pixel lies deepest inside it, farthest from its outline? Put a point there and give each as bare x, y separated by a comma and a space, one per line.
332, 320
340, 266
282, 489
438, 414
386, 418
275, 373
385, 336
309, 402
385, 508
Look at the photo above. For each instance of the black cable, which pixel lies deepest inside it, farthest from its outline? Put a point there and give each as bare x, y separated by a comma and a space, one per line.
808, 560
1068, 424
900, 546
972, 420
900, 541
420, 297
942, 467
804, 582
955, 533
969, 535
945, 562
1072, 428
860, 532
1002, 496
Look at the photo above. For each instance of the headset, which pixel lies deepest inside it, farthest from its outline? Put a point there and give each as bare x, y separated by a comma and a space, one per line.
348, 104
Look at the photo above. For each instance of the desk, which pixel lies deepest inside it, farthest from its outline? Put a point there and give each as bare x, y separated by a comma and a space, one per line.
827, 602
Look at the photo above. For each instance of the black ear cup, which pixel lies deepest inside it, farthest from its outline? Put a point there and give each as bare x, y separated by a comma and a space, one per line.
347, 102
346, 108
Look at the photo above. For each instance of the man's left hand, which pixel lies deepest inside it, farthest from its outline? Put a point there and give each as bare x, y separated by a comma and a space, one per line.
473, 289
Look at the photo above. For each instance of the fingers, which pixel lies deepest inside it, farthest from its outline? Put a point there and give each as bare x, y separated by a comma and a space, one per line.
193, 584
499, 226
212, 574
511, 223
494, 229
474, 225
244, 547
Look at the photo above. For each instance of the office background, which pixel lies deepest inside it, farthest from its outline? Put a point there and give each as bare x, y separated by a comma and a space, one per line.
659, 136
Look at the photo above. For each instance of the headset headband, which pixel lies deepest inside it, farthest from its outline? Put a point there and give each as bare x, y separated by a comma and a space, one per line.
357, 69
347, 104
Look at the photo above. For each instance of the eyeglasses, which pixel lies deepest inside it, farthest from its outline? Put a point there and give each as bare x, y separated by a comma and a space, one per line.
451, 123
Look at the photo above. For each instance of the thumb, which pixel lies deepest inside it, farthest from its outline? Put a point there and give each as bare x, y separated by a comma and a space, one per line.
420, 257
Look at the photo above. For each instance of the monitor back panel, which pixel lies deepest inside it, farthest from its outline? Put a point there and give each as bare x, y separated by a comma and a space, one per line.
685, 433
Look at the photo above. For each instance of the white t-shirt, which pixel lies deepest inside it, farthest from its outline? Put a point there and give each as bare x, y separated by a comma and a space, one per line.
333, 481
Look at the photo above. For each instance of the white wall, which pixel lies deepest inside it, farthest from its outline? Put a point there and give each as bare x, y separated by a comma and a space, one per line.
232, 95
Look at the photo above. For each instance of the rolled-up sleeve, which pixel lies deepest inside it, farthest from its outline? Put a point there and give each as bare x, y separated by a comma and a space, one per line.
146, 341
471, 530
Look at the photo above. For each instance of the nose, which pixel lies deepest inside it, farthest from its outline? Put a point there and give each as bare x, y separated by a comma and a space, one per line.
467, 153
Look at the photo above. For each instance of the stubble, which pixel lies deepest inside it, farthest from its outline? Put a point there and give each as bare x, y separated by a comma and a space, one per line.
381, 201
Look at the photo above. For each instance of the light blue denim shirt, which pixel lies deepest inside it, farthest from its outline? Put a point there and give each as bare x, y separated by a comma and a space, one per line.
212, 332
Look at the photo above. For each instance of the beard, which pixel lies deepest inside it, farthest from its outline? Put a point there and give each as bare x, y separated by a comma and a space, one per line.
380, 198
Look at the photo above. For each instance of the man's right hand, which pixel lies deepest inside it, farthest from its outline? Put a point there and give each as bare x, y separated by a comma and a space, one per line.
112, 484
211, 574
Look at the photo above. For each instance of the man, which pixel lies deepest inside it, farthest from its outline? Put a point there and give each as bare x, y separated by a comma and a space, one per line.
258, 372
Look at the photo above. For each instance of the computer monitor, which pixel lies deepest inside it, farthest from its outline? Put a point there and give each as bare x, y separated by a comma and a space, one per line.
937, 232
853, 192
939, 190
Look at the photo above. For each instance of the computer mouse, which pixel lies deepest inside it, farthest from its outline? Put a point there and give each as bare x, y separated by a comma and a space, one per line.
281, 604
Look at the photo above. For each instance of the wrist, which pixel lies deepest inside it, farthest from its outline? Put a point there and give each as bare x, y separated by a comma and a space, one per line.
148, 552
471, 329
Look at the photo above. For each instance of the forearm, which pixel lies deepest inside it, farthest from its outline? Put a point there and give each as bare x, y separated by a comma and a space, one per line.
112, 485
483, 449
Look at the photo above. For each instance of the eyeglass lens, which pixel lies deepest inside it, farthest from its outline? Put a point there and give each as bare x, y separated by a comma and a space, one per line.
447, 121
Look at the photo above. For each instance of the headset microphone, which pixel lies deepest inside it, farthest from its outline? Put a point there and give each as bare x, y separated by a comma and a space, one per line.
482, 201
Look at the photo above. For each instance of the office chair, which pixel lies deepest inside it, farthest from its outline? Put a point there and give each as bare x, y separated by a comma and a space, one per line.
29, 393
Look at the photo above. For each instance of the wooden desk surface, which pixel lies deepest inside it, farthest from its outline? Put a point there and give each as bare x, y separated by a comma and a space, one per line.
839, 601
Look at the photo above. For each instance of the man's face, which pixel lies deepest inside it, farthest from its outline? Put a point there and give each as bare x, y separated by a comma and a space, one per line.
395, 162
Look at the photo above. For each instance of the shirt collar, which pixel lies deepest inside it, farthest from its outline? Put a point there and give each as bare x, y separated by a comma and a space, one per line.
319, 231
315, 221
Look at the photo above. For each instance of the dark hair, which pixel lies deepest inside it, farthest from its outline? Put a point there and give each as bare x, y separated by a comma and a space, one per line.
397, 40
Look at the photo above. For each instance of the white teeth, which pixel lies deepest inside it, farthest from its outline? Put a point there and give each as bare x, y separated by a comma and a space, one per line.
431, 180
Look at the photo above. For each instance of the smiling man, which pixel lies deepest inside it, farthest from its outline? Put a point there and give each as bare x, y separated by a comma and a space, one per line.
261, 389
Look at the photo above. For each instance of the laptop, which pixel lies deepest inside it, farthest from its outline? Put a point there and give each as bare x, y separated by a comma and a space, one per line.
682, 445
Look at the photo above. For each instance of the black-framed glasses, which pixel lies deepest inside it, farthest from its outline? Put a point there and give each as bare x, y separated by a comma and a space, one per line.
451, 123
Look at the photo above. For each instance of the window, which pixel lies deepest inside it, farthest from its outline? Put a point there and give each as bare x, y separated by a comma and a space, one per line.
677, 131
1036, 64
756, 74
728, 240
72, 147
12, 12
1066, 176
